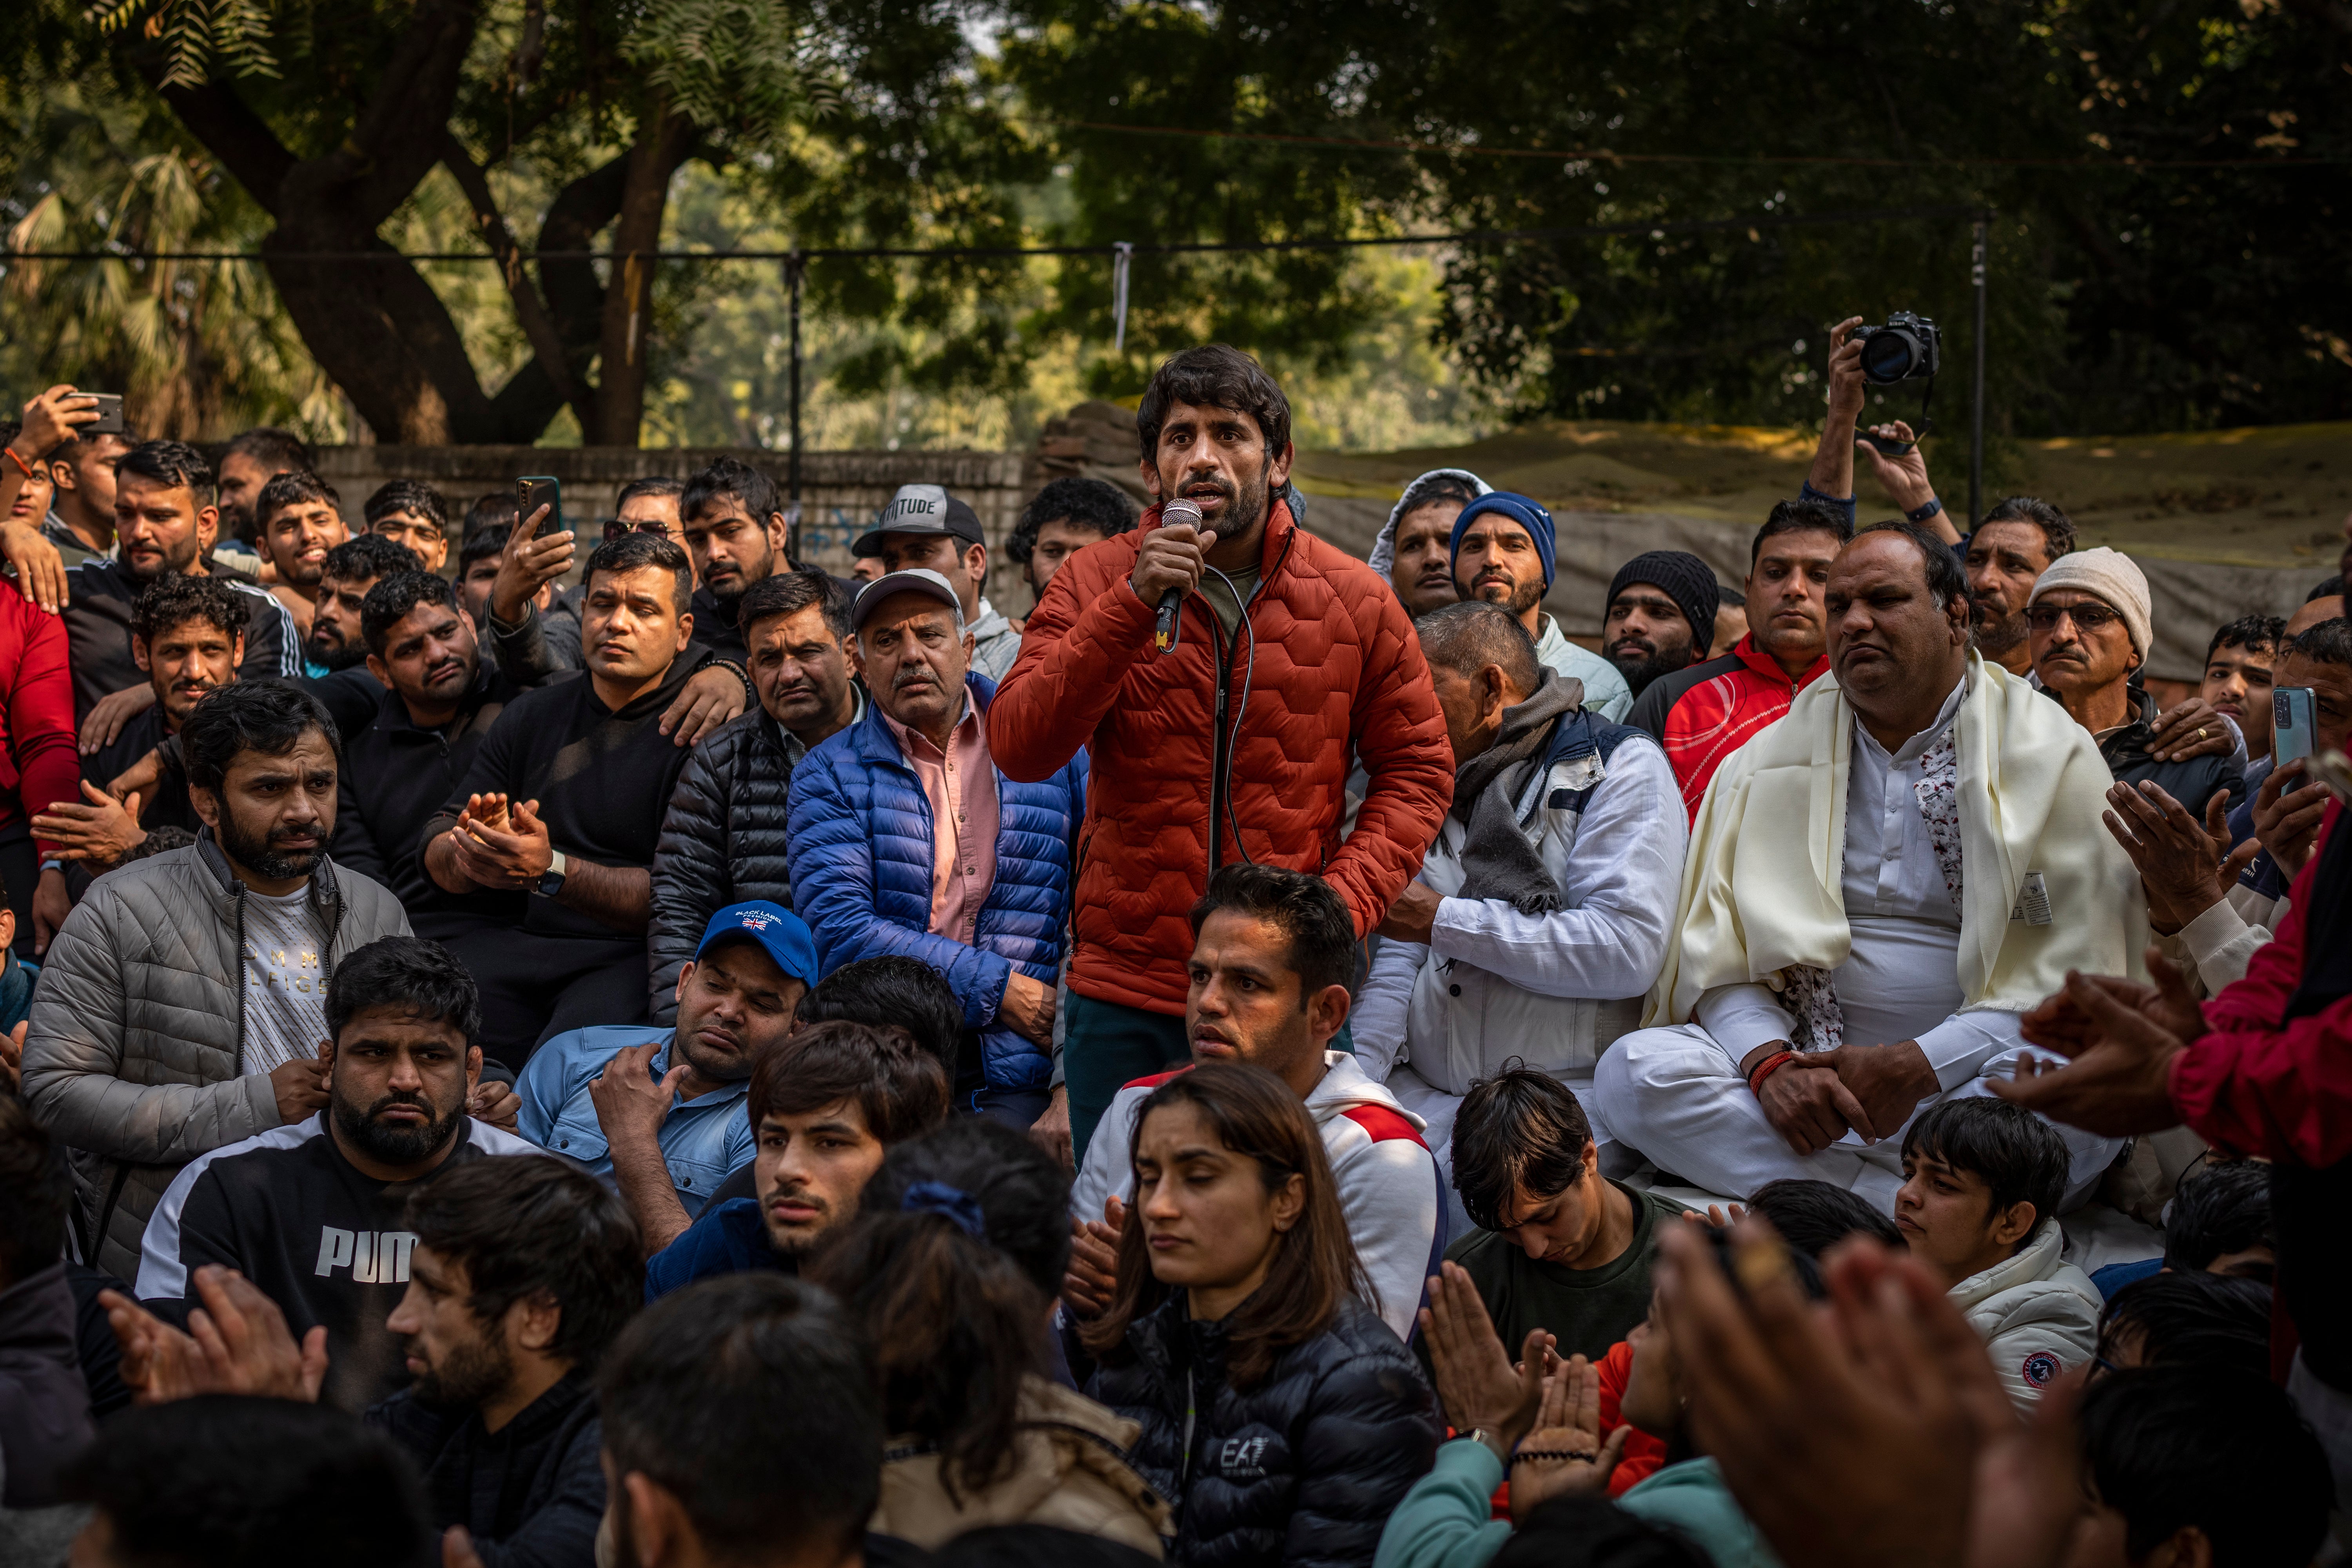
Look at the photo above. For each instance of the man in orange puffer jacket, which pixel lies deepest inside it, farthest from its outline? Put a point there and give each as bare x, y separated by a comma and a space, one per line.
1293, 659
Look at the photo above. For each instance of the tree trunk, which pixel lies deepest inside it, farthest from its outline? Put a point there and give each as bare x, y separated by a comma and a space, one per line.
664, 141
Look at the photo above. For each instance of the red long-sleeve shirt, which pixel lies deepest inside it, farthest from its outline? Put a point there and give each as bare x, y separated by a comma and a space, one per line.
39, 763
2258, 1083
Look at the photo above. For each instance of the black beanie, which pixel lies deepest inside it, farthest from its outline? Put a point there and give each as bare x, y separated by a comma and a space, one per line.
1688, 581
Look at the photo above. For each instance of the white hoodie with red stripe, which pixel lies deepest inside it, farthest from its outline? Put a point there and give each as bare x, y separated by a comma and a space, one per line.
1390, 1187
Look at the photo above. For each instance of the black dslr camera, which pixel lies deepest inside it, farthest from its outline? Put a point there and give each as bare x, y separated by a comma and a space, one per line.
1906, 348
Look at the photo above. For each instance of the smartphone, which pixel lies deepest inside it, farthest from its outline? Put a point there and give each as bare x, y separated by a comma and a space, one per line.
110, 415
2291, 727
533, 492
1887, 446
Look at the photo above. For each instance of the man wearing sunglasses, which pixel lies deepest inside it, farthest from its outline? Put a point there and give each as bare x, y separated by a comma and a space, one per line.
2089, 623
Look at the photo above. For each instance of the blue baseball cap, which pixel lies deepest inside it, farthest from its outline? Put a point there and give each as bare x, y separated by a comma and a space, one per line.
781, 933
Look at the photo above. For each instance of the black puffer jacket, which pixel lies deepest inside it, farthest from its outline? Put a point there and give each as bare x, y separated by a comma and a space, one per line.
722, 842
1303, 1470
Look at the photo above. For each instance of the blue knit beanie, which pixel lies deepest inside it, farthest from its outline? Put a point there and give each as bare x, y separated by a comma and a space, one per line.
1525, 511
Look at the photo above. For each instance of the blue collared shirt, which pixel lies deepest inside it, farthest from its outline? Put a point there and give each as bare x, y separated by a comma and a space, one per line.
702, 1140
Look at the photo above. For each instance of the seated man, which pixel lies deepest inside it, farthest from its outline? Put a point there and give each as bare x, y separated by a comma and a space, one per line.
2191, 1464
563, 803
908, 839
1539, 918
825, 1105
661, 1110
924, 529
410, 514
181, 1008
1502, 549
722, 840
735, 531
2239, 664
2090, 627
1981, 1183
337, 640
1880, 886
1559, 1246
1661, 615
312, 1212
1703, 714
2185, 1319
1272, 955
1061, 520
297, 518
1414, 549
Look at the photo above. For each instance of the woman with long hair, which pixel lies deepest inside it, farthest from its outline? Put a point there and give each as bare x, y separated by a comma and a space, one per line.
960, 1241
1278, 1411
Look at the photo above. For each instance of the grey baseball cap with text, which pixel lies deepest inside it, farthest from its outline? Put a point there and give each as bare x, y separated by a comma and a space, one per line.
921, 508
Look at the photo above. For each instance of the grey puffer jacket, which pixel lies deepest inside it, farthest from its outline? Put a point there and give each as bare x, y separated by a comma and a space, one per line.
138, 1029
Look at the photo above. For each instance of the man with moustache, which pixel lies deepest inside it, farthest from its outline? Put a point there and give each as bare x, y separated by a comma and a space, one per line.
1235, 742
313, 1212
722, 841
1503, 547
1413, 550
1879, 887
336, 642
1661, 615
736, 533
181, 1006
164, 521
251, 459
2010, 549
661, 1110
297, 518
907, 839
924, 529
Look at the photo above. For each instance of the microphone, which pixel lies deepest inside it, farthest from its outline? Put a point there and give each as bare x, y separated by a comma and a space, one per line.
1172, 626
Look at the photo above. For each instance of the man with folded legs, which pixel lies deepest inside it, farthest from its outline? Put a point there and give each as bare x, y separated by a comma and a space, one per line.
1879, 887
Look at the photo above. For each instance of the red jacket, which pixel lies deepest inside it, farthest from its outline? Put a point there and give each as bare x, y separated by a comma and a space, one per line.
39, 763
2257, 1085
1338, 672
1715, 717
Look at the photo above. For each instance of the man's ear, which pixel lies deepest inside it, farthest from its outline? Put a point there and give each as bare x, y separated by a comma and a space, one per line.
139, 654
2015, 1223
969, 643
1327, 1012
656, 1522
780, 532
685, 630
535, 1322
1278, 466
236, 652
207, 529
975, 563
208, 804
473, 1066
684, 974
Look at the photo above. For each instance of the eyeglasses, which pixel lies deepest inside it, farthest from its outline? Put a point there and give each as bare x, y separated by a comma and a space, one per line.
2089, 619
615, 528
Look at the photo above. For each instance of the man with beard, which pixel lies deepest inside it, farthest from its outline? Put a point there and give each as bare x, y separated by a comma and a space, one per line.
1661, 615
346, 573
561, 808
2010, 549
722, 840
1705, 713
661, 1110
181, 1006
924, 529
825, 1105
187, 634
1291, 659
905, 840
1413, 550
1503, 549
312, 1211
299, 519
252, 458
164, 521
736, 534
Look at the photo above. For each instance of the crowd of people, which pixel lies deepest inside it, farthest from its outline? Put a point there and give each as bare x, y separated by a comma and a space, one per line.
1269, 1057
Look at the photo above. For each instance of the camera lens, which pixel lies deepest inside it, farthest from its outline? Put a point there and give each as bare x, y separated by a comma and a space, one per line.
1889, 354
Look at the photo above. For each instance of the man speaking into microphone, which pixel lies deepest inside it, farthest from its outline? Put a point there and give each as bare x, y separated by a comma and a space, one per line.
1291, 657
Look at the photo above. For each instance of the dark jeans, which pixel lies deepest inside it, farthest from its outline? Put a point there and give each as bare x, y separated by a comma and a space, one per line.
535, 987
1107, 1047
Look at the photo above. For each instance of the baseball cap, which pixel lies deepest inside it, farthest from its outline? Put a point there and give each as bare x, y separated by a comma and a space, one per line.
781, 933
921, 508
914, 580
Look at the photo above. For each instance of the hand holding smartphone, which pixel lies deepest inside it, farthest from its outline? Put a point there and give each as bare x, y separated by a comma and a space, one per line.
2292, 727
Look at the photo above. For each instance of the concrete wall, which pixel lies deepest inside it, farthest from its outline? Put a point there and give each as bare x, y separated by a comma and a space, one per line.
840, 493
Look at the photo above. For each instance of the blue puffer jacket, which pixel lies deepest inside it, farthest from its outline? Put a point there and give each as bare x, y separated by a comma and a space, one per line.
859, 838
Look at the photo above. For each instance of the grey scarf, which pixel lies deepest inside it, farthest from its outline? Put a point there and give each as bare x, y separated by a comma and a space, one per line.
1499, 859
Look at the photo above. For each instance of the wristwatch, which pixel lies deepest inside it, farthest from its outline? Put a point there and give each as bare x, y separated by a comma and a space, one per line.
551, 882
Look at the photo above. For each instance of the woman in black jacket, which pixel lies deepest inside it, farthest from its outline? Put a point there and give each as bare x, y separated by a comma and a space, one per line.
1279, 1413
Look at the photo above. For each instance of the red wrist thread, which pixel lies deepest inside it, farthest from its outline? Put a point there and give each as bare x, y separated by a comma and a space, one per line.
1766, 1068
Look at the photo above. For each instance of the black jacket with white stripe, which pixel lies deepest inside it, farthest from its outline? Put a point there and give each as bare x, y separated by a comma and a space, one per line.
318, 1237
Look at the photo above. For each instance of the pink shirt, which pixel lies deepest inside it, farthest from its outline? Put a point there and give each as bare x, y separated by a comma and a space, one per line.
962, 787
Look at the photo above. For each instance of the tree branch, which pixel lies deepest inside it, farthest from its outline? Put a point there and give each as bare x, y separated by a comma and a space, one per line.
545, 345
231, 131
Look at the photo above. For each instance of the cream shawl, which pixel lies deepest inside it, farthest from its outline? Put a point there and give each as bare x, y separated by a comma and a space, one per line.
1761, 889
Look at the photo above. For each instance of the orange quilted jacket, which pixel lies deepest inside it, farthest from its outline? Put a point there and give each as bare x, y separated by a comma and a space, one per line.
1339, 674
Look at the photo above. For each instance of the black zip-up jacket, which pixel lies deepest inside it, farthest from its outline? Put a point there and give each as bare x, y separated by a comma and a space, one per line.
98, 630
314, 1234
1302, 1470
530, 1494
396, 778
2192, 782
44, 1403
